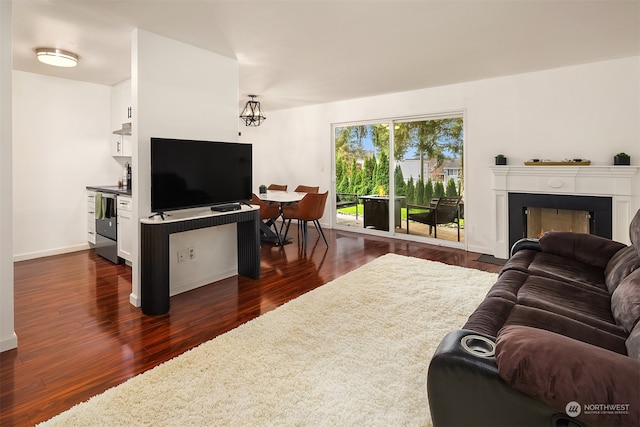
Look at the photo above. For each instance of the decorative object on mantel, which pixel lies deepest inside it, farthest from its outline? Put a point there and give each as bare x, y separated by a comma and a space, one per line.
565, 162
252, 114
622, 159
263, 189
501, 159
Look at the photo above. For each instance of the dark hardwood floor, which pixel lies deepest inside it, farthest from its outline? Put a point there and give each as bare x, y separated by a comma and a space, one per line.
78, 335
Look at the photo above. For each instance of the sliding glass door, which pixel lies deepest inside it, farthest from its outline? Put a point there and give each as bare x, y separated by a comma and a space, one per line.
417, 190
362, 175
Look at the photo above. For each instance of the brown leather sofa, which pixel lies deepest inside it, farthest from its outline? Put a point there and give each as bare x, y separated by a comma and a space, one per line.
556, 341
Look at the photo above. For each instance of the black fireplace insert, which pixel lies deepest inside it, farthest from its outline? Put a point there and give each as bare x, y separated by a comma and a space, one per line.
599, 209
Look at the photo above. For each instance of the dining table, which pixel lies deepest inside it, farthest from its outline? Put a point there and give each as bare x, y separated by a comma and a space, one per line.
282, 198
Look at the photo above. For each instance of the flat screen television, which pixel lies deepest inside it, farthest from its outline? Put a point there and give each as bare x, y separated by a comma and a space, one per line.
189, 173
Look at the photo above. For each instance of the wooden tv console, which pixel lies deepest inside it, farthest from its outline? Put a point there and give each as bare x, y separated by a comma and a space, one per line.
154, 247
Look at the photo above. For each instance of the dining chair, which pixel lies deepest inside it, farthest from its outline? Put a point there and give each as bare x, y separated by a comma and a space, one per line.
269, 212
277, 187
310, 208
306, 189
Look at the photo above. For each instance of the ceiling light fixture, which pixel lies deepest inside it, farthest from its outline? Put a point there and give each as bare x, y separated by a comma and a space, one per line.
56, 57
252, 114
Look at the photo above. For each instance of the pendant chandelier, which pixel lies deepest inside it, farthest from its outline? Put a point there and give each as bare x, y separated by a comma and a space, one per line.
252, 114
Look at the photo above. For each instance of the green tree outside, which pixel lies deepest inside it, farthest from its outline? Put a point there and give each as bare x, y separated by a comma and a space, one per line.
411, 191
428, 192
400, 185
438, 189
452, 191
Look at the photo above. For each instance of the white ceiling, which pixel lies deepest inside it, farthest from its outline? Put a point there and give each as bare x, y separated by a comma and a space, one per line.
295, 53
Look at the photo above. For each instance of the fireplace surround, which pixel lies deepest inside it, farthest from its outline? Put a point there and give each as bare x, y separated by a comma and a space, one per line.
598, 209
611, 188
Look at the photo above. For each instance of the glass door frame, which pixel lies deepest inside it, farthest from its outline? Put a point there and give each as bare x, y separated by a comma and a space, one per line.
391, 233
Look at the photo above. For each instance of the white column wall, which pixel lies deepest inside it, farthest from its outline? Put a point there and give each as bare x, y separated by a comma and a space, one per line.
180, 91
8, 337
589, 111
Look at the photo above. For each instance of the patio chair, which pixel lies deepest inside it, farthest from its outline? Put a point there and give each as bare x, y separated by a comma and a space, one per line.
444, 210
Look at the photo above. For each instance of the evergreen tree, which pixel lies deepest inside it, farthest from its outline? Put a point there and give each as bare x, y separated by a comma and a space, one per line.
356, 185
354, 177
342, 176
343, 185
368, 176
369, 168
411, 191
340, 170
428, 192
451, 188
382, 173
420, 192
401, 186
438, 189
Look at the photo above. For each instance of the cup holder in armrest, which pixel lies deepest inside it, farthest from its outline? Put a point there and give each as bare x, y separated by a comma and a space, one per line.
478, 345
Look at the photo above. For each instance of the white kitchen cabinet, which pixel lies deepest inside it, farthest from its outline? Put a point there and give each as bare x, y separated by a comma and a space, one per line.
125, 227
121, 145
121, 104
121, 113
91, 217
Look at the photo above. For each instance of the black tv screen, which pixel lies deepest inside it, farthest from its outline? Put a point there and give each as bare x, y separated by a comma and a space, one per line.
188, 173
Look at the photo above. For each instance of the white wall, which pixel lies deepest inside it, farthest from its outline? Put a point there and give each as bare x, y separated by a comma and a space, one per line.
210, 263
8, 338
194, 95
588, 111
61, 137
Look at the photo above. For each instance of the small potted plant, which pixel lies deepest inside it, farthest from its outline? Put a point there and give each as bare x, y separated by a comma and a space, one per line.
501, 159
622, 159
263, 189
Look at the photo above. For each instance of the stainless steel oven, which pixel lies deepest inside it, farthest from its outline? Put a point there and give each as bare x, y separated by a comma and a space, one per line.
107, 229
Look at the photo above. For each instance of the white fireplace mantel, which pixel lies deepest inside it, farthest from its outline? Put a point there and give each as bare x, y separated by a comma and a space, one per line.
618, 182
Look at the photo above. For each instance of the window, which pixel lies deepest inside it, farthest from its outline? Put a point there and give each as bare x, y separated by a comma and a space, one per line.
400, 194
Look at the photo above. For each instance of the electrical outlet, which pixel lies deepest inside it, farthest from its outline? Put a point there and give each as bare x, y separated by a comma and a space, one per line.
182, 255
192, 253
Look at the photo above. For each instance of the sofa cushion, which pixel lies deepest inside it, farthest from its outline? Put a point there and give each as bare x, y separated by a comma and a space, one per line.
625, 301
633, 343
585, 248
489, 316
612, 338
620, 266
508, 285
558, 370
519, 261
590, 306
634, 231
567, 270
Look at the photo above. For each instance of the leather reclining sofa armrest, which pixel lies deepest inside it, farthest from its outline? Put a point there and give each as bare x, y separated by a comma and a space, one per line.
560, 371
586, 248
526, 243
466, 390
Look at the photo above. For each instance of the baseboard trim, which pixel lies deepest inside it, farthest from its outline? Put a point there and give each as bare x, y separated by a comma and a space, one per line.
134, 299
481, 249
9, 343
50, 252
179, 288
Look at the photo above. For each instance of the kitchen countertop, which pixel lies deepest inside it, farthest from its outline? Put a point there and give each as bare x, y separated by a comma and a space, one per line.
113, 189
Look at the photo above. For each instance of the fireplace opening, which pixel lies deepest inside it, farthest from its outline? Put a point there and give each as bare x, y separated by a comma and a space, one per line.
531, 214
540, 220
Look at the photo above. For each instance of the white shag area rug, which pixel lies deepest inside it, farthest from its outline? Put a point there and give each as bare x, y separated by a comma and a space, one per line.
352, 352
